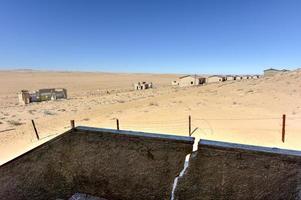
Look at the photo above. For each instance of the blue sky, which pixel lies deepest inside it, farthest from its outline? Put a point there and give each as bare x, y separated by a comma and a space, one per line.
162, 36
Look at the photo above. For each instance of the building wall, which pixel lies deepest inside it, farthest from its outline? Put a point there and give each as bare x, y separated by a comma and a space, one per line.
230, 171
105, 163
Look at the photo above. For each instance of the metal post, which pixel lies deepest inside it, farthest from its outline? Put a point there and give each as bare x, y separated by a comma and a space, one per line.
35, 130
189, 124
283, 127
72, 124
117, 123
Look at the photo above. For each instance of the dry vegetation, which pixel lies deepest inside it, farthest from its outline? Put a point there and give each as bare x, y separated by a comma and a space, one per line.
246, 111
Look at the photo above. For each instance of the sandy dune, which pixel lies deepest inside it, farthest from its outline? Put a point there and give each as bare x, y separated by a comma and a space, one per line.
246, 111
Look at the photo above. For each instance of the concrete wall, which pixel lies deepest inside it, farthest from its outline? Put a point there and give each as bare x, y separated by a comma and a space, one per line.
116, 165
230, 171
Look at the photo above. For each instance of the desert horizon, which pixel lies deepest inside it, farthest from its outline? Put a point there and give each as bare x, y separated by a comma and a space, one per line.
244, 111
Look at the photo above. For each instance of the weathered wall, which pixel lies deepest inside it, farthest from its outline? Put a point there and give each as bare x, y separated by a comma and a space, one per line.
230, 171
101, 162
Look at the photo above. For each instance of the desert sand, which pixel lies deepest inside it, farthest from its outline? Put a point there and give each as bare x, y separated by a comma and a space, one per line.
245, 111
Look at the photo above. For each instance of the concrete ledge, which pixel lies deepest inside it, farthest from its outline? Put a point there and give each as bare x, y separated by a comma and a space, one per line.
243, 147
182, 139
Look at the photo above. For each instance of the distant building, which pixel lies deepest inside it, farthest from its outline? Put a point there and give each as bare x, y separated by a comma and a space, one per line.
26, 97
255, 76
215, 79
246, 77
189, 80
272, 71
238, 77
143, 85
230, 78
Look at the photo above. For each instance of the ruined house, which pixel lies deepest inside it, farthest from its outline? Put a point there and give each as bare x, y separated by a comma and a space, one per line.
143, 85
26, 97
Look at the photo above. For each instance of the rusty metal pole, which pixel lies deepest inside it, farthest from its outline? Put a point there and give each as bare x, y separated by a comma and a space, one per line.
35, 130
72, 123
117, 123
283, 127
189, 124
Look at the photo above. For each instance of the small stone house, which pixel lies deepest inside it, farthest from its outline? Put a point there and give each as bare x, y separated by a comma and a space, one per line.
143, 85
189, 80
215, 79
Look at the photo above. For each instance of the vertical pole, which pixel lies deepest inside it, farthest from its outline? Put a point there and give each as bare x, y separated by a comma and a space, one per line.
283, 127
72, 124
189, 124
117, 123
35, 130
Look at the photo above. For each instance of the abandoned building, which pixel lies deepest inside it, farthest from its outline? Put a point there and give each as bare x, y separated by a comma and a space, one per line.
96, 163
230, 78
244, 77
272, 71
255, 76
143, 85
215, 79
189, 80
237, 77
26, 97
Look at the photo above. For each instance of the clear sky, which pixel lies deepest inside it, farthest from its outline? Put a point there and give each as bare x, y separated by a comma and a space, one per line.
163, 36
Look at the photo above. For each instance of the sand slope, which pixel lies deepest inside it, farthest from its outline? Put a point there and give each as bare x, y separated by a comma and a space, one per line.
246, 111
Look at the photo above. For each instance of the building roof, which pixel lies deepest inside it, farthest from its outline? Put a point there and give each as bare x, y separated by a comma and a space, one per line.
278, 70
216, 76
193, 76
